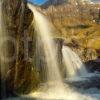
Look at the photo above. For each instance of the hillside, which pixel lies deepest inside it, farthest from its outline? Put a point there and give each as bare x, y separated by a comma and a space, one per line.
79, 23
53, 2
61, 2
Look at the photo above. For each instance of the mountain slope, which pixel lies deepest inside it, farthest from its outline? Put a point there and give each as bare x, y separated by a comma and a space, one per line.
79, 23
53, 2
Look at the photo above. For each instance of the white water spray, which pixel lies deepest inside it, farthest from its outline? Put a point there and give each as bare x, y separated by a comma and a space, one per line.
73, 64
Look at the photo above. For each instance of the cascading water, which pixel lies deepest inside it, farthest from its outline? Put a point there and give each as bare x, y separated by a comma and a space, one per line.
73, 64
44, 31
55, 87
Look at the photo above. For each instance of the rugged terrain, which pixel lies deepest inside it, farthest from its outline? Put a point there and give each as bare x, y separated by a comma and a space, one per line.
79, 25
76, 23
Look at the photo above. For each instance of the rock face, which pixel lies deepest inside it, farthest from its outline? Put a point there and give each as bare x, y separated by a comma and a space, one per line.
40, 60
93, 65
58, 47
17, 18
14, 14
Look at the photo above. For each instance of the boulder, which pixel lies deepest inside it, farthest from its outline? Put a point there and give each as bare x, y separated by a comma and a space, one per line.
93, 65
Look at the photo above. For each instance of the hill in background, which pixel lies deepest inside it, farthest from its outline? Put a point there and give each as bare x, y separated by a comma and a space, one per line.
78, 23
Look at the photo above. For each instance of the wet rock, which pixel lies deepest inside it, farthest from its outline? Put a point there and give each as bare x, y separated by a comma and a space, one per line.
93, 65
58, 47
17, 18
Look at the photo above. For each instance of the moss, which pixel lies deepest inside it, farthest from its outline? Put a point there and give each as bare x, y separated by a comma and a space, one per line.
27, 79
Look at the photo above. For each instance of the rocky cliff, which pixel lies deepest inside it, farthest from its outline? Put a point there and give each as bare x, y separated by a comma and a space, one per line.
17, 19
77, 24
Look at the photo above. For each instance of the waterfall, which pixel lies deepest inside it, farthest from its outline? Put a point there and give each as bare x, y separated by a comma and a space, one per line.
55, 87
42, 27
73, 64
